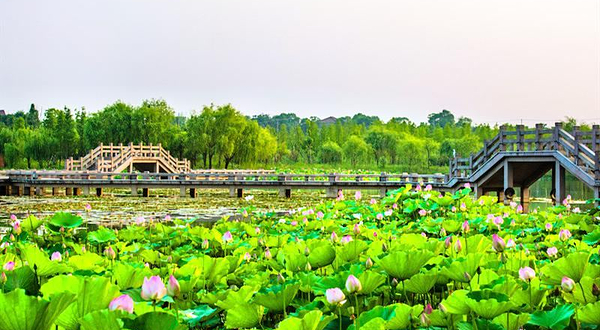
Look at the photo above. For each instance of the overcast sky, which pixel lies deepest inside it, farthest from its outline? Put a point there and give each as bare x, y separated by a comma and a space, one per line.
493, 61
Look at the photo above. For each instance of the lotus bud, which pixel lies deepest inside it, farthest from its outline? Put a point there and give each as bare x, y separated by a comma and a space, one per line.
442, 308
110, 253
9, 266
356, 229
465, 227
17, 227
453, 209
353, 284
227, 237
56, 256
12, 237
13, 218
153, 288
205, 244
122, 302
443, 232
169, 259
320, 215
448, 242
526, 274
167, 218
3, 278
422, 212
257, 230
394, 282
498, 243
548, 227
335, 296
511, 243
467, 276
280, 278
268, 255
374, 234
369, 263
62, 230
147, 265
373, 201
595, 290
428, 309
357, 195
457, 246
308, 267
379, 216
423, 234
552, 251
425, 321
395, 206
567, 284
173, 287
334, 236
247, 256
306, 251
564, 235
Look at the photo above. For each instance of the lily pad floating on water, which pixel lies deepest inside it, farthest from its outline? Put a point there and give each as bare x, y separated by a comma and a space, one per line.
64, 220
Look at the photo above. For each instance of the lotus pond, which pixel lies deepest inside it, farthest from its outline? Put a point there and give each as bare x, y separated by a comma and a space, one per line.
415, 259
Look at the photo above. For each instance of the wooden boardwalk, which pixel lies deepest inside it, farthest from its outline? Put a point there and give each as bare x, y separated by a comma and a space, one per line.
509, 163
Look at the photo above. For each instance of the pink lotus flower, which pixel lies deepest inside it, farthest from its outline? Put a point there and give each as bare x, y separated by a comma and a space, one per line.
205, 244
167, 218
9, 266
498, 221
88, 207
564, 235
467, 185
56, 256
458, 246
519, 208
453, 209
110, 253
395, 206
353, 284
247, 256
465, 227
294, 223
173, 288
388, 213
379, 216
428, 187
268, 254
13, 218
356, 229
140, 221
567, 284
548, 226
443, 232
3, 278
498, 243
423, 234
511, 243
122, 302
335, 296
346, 239
369, 262
227, 237
245, 213
448, 242
334, 236
526, 274
552, 251
320, 215
422, 212
428, 309
357, 195
153, 288
373, 201
17, 227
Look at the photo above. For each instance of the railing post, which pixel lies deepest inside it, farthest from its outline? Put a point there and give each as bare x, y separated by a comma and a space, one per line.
596, 149
486, 145
556, 136
502, 137
520, 144
576, 136
538, 136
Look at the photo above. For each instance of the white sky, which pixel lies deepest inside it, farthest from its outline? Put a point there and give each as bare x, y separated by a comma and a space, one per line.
493, 61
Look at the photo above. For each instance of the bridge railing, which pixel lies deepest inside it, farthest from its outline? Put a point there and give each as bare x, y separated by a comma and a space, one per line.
581, 147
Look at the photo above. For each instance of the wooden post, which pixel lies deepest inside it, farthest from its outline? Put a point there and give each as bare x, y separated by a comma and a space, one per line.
502, 137
240, 192
525, 198
596, 148
145, 192
556, 136
576, 136
99, 192
520, 143
508, 178
538, 136
182, 191
193, 193
558, 175
134, 191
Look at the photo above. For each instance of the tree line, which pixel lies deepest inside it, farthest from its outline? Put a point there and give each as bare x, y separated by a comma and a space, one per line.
222, 137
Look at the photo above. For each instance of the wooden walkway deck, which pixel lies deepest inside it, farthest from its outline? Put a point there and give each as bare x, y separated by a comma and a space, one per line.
512, 160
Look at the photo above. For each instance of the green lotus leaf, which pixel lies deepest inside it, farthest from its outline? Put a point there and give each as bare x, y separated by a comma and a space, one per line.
481, 324
403, 265
457, 269
127, 276
512, 321
572, 266
64, 220
155, 321
22, 278
41, 262
278, 297
374, 324
402, 316
202, 316
243, 315
585, 296
488, 304
321, 254
370, 281
592, 238
456, 303
556, 319
351, 250
61, 283
590, 313
313, 320
420, 283
21, 312
86, 261
521, 297
292, 258
94, 293
102, 235
31, 223
102, 319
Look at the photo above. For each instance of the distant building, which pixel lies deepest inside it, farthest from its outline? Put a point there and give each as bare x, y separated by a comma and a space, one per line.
2, 113
328, 121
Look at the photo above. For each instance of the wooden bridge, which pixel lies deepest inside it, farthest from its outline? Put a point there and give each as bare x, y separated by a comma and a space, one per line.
510, 162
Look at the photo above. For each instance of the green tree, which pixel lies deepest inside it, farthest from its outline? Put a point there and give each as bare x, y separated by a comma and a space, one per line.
331, 153
355, 150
